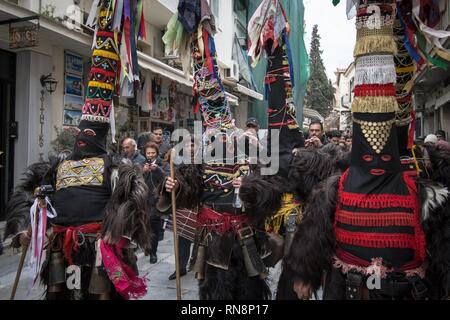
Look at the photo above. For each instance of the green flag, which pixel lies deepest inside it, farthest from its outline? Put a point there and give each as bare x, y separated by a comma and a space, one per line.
336, 2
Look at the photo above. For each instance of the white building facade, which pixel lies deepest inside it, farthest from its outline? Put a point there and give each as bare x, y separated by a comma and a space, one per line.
345, 84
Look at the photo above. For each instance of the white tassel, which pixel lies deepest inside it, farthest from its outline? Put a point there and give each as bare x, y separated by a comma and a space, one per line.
92, 19
38, 222
94, 41
377, 69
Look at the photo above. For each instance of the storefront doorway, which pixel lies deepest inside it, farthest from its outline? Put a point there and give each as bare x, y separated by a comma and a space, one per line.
8, 126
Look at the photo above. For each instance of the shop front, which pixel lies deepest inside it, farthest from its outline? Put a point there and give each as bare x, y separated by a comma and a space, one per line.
8, 126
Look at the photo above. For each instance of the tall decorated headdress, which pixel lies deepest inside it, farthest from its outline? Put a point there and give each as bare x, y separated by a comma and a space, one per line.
191, 34
378, 206
114, 69
418, 44
268, 31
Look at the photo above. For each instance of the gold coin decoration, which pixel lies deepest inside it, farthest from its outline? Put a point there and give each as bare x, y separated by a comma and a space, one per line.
376, 133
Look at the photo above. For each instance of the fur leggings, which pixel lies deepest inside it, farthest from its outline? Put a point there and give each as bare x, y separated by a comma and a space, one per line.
234, 283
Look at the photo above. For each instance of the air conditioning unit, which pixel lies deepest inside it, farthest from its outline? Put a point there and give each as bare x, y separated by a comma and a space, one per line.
232, 73
73, 19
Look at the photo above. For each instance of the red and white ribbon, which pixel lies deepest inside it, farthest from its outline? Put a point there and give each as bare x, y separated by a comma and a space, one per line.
38, 218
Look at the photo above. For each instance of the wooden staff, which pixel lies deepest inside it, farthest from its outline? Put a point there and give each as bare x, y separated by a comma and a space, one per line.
19, 269
174, 222
41, 204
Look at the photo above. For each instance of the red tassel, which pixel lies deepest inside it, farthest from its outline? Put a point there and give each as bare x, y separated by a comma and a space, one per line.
412, 128
375, 219
143, 29
208, 57
375, 90
102, 71
407, 99
197, 107
380, 240
270, 79
420, 235
280, 124
376, 201
376, 240
127, 31
105, 34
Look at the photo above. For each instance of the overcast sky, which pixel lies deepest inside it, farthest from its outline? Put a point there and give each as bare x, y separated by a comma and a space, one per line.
337, 34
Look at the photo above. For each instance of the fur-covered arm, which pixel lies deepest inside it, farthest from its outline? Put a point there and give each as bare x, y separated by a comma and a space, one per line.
436, 224
20, 202
188, 192
126, 212
313, 246
311, 166
261, 195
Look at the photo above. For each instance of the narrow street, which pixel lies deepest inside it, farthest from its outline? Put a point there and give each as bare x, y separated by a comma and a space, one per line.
159, 286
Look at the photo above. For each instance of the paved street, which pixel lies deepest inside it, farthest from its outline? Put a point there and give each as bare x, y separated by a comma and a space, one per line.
159, 287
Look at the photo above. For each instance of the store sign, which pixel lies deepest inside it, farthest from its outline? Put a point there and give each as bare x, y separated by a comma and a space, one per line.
23, 37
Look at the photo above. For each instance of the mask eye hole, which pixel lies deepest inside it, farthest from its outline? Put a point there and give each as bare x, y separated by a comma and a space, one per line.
77, 132
386, 157
89, 132
367, 158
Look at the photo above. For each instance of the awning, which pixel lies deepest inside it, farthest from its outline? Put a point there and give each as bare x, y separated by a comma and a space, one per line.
149, 63
249, 92
310, 113
232, 99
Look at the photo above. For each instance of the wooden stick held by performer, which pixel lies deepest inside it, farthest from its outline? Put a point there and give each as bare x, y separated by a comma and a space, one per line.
174, 221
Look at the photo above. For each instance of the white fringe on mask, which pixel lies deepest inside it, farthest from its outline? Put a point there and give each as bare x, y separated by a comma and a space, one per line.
375, 69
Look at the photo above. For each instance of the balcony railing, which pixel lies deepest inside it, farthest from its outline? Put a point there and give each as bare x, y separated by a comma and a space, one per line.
72, 14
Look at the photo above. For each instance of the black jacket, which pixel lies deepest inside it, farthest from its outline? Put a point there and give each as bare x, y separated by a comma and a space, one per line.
153, 179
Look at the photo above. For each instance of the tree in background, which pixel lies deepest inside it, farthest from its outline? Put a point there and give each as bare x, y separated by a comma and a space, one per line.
320, 91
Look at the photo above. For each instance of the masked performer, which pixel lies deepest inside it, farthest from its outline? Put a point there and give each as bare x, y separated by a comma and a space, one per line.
269, 34
229, 258
375, 232
99, 204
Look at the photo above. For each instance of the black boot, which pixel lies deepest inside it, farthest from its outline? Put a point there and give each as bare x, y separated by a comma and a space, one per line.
153, 258
173, 276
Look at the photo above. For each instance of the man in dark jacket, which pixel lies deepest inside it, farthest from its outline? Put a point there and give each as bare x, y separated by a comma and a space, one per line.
154, 175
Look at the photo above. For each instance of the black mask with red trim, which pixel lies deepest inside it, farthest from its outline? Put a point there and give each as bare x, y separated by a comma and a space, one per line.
91, 140
374, 172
